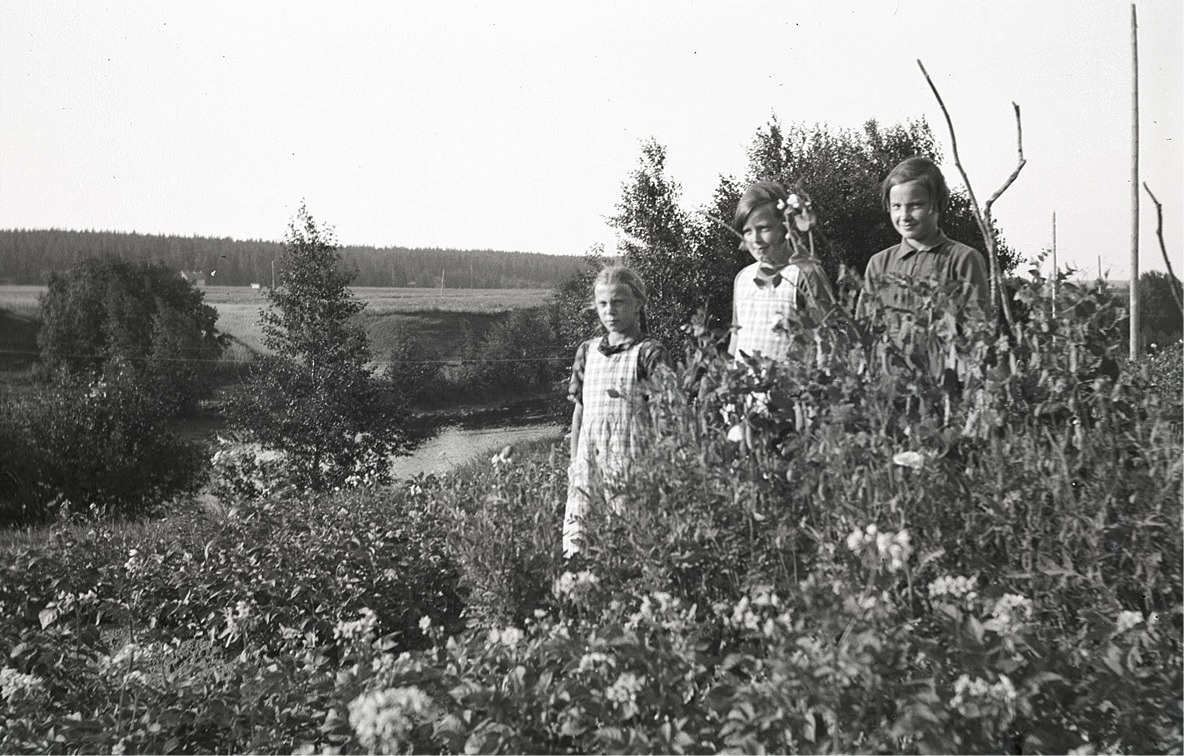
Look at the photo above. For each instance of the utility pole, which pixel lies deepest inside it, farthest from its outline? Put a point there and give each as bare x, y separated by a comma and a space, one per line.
273, 274
1134, 282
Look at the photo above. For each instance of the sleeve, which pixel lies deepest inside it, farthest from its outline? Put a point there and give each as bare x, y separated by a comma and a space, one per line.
651, 354
969, 267
575, 386
814, 289
874, 270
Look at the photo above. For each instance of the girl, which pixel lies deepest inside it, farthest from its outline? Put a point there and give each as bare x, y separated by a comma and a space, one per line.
784, 276
605, 385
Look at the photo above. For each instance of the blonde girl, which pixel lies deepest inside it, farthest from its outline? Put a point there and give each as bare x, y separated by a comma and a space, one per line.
606, 380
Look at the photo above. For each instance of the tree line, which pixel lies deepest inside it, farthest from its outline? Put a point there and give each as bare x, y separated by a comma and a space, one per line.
29, 256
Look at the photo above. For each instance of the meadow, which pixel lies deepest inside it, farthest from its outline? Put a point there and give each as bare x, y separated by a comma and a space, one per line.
442, 314
840, 553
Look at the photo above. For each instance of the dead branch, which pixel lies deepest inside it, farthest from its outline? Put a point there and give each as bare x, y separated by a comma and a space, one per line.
1162, 247
1019, 138
983, 216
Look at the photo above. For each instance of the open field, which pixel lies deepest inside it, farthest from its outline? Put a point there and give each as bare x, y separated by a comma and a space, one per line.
443, 314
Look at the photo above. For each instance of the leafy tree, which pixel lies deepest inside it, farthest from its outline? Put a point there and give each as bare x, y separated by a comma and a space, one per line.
138, 324
671, 250
1160, 317
315, 397
842, 171
689, 259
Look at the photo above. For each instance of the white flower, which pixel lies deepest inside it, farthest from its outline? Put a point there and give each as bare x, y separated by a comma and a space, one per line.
954, 587
977, 698
624, 691
424, 623
1126, 620
363, 627
383, 719
856, 540
1008, 614
736, 433
509, 637
912, 459
575, 585
595, 659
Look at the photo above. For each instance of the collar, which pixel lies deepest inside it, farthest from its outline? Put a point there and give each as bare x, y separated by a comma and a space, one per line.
608, 349
908, 247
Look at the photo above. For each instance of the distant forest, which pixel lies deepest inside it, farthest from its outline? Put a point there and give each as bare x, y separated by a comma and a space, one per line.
29, 256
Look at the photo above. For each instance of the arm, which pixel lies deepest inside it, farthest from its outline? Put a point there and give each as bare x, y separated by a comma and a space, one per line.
577, 418
970, 268
875, 269
732, 335
575, 392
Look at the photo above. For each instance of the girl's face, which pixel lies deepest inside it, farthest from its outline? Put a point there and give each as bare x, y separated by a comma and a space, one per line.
913, 213
764, 236
618, 308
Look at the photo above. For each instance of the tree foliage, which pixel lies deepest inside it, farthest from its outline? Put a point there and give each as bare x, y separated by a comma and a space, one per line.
681, 259
689, 258
1160, 317
134, 323
315, 398
842, 170
26, 256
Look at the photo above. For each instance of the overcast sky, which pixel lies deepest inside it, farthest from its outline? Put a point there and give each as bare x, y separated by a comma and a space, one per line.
512, 124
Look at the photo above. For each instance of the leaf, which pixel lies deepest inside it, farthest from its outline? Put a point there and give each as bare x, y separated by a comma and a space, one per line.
47, 617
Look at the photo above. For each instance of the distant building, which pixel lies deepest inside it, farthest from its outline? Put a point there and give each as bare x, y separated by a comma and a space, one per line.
255, 286
195, 277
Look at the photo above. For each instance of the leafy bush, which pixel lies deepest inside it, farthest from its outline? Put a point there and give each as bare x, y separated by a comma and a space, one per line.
104, 449
919, 537
212, 635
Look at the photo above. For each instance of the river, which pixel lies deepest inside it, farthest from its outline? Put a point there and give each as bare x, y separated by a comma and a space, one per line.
454, 445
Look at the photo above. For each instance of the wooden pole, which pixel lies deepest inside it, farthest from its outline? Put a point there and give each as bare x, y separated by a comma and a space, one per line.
1134, 282
1054, 264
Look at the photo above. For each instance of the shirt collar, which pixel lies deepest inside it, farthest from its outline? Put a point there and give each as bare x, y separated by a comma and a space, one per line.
609, 349
908, 246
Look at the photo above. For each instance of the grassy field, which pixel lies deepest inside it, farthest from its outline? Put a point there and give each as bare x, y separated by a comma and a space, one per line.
444, 314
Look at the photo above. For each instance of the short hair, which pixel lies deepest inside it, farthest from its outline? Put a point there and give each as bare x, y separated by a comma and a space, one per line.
619, 274
923, 170
757, 195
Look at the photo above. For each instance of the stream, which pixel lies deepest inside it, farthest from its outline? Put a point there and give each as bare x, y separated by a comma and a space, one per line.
454, 445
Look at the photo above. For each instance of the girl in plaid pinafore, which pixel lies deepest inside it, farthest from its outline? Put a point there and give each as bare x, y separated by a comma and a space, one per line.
606, 388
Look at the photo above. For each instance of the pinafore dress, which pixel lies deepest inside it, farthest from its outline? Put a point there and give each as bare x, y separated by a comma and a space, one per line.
608, 437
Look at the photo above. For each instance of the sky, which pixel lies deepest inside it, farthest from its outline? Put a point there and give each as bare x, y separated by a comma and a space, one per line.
513, 124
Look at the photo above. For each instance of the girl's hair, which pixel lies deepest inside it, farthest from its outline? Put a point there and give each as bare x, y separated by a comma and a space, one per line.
756, 195
920, 169
619, 274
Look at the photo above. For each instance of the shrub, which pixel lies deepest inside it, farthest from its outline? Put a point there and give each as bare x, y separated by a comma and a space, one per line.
103, 449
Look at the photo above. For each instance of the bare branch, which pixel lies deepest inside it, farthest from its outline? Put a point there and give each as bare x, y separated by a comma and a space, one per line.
1162, 247
1019, 138
981, 216
954, 148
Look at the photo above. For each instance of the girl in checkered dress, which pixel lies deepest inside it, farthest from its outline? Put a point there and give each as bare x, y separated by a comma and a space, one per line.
780, 280
606, 386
